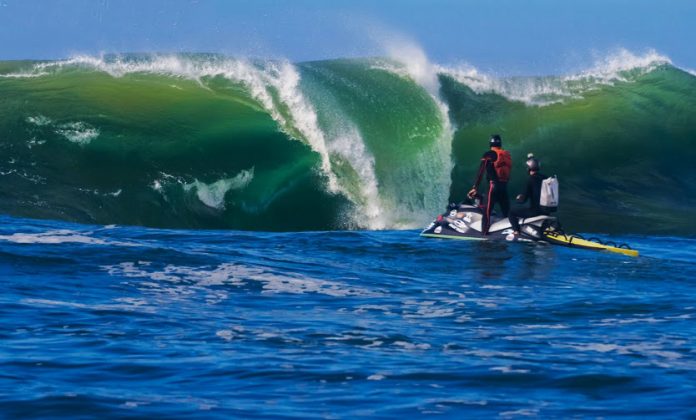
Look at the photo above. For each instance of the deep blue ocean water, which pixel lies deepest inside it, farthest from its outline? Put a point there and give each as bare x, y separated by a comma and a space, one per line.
133, 322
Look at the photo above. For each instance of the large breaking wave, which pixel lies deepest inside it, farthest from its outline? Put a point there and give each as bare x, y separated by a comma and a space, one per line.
207, 141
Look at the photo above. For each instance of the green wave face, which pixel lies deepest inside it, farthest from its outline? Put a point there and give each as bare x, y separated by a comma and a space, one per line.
154, 150
623, 152
202, 141
385, 130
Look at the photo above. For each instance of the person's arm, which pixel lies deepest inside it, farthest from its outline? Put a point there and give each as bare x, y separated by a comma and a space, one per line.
482, 168
528, 192
479, 175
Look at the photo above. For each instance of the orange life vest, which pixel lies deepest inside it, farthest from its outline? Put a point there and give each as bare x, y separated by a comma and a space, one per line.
503, 164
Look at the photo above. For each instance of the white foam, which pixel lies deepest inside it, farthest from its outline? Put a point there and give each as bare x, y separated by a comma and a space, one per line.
543, 327
412, 346
78, 132
236, 274
614, 66
430, 310
24, 74
230, 334
97, 192
59, 237
619, 66
508, 369
166, 179
533, 91
34, 142
213, 194
348, 143
651, 350
122, 305
526, 412
39, 120
623, 321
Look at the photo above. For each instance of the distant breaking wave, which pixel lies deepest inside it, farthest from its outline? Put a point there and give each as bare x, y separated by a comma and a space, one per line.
622, 66
201, 140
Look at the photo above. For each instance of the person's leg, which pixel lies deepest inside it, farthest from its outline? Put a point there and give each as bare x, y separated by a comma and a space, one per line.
490, 202
512, 217
520, 213
503, 199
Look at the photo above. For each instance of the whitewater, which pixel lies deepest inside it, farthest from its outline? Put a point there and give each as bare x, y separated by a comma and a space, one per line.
197, 235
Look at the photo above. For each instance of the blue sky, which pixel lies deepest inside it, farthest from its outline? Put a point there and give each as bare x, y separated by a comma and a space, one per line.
506, 36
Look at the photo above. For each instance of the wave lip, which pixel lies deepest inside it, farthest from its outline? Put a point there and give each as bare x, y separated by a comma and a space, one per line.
408, 60
621, 66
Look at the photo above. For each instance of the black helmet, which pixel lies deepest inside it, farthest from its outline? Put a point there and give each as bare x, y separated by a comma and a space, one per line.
496, 141
532, 163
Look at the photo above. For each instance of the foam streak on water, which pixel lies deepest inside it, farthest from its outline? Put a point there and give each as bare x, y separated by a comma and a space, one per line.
120, 322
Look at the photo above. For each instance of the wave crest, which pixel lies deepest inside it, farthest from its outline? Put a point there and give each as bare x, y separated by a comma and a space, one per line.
621, 66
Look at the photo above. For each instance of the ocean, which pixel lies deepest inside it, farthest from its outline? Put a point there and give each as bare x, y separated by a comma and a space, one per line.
197, 235
131, 322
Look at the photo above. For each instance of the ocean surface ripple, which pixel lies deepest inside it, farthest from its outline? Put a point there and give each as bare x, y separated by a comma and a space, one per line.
131, 322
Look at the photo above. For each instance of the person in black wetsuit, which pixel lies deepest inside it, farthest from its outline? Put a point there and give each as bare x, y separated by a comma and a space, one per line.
531, 194
497, 164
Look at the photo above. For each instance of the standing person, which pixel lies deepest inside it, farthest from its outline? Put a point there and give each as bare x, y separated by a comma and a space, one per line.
531, 194
497, 163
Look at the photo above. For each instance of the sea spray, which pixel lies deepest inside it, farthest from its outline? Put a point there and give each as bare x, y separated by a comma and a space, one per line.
435, 166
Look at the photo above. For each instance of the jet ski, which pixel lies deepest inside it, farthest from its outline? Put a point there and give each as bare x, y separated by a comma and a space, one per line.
464, 221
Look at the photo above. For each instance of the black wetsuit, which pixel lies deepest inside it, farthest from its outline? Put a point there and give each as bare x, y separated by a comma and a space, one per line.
497, 190
533, 194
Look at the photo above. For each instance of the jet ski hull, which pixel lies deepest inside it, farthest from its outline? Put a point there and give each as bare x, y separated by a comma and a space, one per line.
464, 222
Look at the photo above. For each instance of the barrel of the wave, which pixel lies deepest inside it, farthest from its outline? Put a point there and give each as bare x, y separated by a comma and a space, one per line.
182, 141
